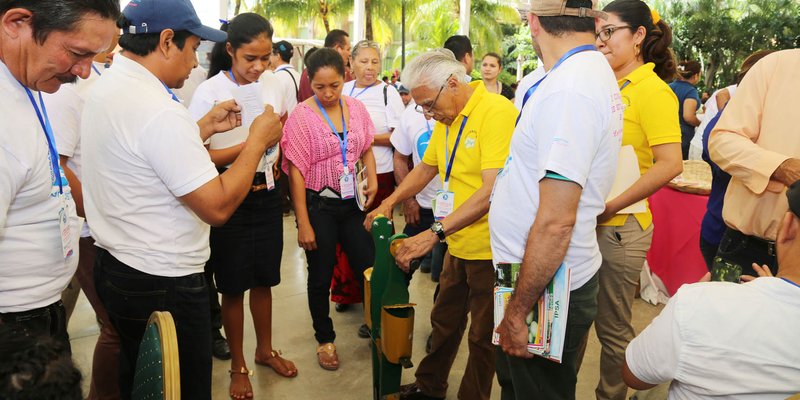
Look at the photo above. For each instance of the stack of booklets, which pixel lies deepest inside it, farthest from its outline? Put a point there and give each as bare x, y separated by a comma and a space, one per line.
547, 322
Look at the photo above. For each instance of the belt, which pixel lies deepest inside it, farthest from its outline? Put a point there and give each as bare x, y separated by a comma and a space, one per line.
754, 242
33, 312
259, 180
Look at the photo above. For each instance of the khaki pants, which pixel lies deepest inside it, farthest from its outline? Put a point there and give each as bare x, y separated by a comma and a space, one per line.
624, 250
466, 286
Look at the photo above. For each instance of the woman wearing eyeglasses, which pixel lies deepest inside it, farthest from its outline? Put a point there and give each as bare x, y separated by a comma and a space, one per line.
322, 140
636, 43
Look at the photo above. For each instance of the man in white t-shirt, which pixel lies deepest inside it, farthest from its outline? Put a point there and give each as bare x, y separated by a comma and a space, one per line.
724, 340
287, 78
461, 47
410, 140
526, 83
405, 95
43, 44
547, 197
151, 190
65, 108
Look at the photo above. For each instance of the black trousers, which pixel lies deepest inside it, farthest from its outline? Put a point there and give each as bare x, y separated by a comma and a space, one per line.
334, 221
130, 296
49, 321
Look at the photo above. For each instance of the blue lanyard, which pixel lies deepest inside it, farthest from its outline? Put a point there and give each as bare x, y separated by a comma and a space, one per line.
627, 82
48, 133
342, 140
790, 282
96, 70
362, 90
529, 93
233, 78
170, 92
452, 156
428, 124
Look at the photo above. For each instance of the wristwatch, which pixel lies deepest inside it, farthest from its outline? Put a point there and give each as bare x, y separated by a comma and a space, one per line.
438, 229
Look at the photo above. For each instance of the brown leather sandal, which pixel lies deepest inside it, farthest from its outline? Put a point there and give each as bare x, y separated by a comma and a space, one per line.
327, 357
249, 393
287, 368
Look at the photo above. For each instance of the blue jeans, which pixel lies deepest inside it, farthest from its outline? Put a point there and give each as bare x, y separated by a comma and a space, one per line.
130, 296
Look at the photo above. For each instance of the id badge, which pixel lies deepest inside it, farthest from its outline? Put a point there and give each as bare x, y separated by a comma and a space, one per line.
270, 175
443, 204
65, 229
347, 186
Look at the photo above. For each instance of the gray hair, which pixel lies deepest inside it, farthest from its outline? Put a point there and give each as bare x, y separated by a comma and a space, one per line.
365, 44
432, 69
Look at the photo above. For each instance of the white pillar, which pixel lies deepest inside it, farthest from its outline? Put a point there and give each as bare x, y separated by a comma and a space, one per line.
223, 9
359, 21
463, 19
520, 72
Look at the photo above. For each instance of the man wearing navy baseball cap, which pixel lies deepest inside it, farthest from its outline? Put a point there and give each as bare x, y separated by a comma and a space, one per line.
151, 190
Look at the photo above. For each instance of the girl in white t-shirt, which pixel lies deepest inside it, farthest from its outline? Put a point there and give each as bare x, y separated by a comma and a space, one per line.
246, 251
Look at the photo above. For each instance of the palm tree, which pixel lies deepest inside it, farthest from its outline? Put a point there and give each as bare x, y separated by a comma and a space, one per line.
433, 21
293, 12
484, 29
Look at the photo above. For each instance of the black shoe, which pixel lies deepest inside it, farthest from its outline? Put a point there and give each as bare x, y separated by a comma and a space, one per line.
413, 392
429, 344
363, 332
220, 348
341, 307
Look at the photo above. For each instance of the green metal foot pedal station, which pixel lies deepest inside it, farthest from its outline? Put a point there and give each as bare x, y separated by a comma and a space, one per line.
387, 313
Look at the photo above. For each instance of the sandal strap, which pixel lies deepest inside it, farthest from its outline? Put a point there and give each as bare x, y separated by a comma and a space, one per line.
276, 353
327, 348
242, 371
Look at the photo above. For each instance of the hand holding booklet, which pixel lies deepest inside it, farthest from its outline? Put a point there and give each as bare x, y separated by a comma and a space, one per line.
547, 321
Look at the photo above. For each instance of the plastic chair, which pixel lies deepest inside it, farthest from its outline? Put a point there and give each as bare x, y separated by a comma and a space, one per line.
157, 374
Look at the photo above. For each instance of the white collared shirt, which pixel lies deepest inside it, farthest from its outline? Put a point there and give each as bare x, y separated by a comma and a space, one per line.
723, 340
33, 270
142, 151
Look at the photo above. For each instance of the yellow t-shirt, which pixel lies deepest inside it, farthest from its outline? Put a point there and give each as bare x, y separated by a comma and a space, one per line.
484, 145
651, 119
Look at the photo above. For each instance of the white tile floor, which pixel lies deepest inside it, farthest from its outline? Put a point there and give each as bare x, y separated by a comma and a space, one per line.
294, 336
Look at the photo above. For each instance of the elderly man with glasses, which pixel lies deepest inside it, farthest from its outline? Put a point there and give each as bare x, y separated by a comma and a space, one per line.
467, 149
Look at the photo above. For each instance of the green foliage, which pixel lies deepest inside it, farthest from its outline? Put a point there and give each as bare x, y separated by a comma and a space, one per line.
722, 33
431, 22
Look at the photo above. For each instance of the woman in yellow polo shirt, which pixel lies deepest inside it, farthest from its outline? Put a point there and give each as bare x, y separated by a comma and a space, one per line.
636, 42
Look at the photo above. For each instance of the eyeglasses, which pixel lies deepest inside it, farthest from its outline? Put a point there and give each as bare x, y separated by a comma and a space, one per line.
429, 111
605, 34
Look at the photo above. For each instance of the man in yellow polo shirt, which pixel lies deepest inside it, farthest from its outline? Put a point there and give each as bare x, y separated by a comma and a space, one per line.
468, 147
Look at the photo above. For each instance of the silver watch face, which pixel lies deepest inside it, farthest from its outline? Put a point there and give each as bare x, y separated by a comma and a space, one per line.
436, 227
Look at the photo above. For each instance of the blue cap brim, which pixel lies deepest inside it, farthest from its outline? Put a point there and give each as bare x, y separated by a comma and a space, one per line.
206, 33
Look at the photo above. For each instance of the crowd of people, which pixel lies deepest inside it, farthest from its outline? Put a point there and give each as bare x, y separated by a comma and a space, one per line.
151, 185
